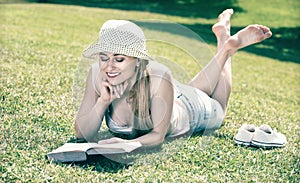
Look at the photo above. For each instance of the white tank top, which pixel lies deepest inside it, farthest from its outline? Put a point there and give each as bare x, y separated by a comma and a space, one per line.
179, 123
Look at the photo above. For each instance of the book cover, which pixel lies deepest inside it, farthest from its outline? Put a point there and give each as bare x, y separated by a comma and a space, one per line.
73, 152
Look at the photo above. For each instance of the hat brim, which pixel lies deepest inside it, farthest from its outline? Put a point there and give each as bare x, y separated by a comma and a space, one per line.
92, 52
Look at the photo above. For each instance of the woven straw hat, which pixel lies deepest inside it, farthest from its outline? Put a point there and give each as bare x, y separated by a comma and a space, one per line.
120, 37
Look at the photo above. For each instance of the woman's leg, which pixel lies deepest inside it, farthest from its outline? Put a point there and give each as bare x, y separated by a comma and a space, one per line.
221, 90
215, 78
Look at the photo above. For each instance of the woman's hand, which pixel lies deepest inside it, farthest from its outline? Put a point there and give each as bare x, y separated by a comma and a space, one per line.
112, 141
111, 92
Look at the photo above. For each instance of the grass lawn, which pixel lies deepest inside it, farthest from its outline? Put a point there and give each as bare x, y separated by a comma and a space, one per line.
42, 76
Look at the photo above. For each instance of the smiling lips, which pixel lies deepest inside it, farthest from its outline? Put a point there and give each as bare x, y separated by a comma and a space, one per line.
113, 74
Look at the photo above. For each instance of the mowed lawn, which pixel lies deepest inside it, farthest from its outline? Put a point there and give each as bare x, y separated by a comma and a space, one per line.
43, 73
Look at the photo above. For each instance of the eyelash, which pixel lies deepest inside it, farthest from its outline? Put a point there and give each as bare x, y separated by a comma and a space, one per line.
105, 59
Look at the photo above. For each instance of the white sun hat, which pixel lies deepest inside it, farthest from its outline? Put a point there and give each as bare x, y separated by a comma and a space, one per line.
120, 37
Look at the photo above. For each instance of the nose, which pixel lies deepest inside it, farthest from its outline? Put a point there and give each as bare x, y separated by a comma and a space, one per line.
110, 63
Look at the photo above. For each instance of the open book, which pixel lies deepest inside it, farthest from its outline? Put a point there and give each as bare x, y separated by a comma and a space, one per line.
72, 152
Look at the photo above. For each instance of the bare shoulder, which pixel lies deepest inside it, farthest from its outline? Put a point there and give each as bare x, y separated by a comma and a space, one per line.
160, 76
158, 69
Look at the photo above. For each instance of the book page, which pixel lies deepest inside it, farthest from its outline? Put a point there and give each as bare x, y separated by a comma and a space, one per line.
69, 147
78, 151
114, 148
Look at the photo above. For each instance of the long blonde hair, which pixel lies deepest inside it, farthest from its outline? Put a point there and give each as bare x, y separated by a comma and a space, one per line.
139, 98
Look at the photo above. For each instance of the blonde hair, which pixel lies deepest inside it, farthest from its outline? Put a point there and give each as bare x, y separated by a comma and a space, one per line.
139, 98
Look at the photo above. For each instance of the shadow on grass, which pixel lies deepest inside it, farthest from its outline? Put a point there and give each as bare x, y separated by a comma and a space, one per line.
101, 163
187, 8
116, 162
282, 46
111, 163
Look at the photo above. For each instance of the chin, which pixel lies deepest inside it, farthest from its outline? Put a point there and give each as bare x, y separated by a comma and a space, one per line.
115, 81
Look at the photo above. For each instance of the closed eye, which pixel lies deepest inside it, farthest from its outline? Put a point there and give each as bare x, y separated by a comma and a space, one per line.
104, 58
119, 59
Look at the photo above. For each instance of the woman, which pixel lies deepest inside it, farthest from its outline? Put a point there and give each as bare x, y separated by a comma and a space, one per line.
140, 99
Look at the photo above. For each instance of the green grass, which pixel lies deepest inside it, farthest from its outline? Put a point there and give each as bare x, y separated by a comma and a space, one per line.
41, 65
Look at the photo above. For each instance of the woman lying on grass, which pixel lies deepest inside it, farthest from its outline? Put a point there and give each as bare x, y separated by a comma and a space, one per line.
139, 97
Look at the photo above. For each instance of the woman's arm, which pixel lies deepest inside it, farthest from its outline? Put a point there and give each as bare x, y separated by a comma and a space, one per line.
161, 112
93, 107
91, 112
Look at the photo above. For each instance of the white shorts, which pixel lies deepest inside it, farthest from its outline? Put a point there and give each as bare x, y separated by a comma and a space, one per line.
203, 111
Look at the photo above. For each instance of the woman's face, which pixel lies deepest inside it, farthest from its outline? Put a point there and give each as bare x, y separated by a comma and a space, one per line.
117, 68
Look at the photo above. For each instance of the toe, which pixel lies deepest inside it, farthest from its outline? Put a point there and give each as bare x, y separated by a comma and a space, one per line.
230, 11
266, 30
268, 34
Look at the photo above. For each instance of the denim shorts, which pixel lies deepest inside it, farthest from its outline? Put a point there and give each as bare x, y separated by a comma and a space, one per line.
204, 112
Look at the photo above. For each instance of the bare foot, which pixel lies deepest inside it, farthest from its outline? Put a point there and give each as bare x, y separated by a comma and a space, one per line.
249, 35
222, 28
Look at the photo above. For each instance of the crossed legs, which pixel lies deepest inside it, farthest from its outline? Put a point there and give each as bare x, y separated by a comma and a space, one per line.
215, 78
222, 89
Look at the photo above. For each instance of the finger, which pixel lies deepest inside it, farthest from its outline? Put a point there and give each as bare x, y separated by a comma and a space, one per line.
107, 86
117, 88
108, 141
126, 84
101, 142
121, 88
116, 92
